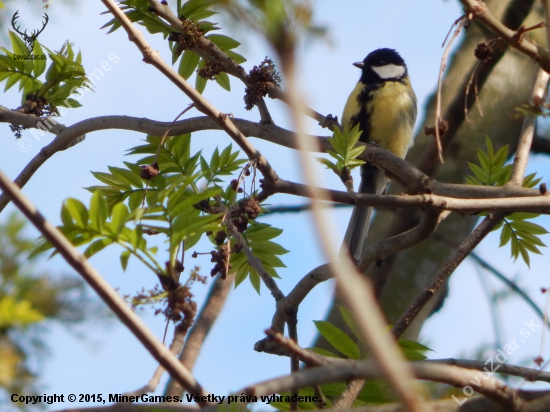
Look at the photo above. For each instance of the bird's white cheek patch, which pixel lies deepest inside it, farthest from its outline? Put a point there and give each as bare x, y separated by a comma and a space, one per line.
389, 71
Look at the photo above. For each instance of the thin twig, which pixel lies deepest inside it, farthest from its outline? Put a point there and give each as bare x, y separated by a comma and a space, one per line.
461, 21
480, 12
310, 358
378, 251
349, 395
180, 331
514, 15
528, 374
189, 107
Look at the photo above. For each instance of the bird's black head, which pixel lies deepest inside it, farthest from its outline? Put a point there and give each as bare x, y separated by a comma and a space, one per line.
382, 65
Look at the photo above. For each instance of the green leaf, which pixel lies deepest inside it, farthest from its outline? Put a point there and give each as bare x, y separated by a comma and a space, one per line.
119, 217
338, 339
39, 65
348, 318
128, 176
405, 343
112, 181
96, 246
505, 235
268, 247
191, 7
481, 174
223, 42
18, 46
500, 157
135, 200
529, 227
529, 238
200, 82
78, 212
188, 63
530, 181
98, 211
223, 80
66, 218
239, 59
255, 280
269, 260
215, 159
260, 232
328, 164
124, 257
524, 254
484, 160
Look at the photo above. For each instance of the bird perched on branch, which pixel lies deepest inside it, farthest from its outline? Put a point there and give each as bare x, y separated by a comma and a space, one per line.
383, 103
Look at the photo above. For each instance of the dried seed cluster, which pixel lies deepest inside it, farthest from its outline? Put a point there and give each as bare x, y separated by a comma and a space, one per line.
147, 172
260, 80
187, 39
485, 53
210, 70
37, 105
221, 258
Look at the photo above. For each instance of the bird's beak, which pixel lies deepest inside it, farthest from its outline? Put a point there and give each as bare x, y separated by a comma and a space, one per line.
359, 64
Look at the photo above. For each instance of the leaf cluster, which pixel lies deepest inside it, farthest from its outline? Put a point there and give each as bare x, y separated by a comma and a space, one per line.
64, 76
195, 11
192, 13
345, 152
347, 346
178, 203
522, 235
137, 11
491, 170
374, 391
259, 239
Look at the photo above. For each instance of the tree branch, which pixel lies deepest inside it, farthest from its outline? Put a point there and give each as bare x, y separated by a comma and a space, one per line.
445, 271
513, 17
66, 136
209, 51
528, 374
378, 251
482, 14
210, 311
367, 369
223, 120
102, 288
528, 129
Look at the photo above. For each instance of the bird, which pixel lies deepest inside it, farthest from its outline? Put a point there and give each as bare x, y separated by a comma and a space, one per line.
383, 104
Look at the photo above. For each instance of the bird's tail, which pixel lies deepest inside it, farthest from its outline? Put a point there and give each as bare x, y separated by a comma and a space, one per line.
373, 181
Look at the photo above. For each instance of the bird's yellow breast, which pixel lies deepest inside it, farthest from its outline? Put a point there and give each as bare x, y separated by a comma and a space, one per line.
390, 112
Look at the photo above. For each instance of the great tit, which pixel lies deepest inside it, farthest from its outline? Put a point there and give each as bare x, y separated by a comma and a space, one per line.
383, 103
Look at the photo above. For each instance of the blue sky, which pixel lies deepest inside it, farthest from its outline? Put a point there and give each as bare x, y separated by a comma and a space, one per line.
109, 359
